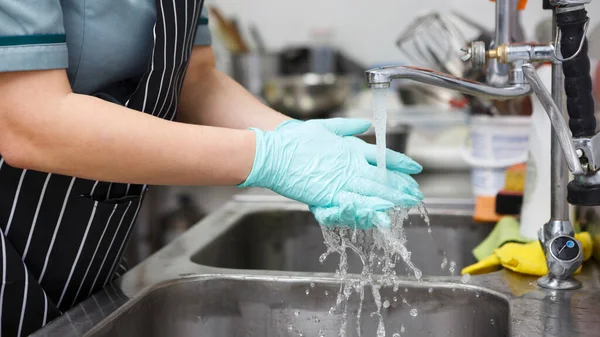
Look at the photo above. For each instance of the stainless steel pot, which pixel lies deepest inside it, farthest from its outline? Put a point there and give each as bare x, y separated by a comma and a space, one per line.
309, 95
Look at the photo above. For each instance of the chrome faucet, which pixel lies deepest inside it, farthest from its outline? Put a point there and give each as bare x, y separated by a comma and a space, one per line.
577, 149
382, 77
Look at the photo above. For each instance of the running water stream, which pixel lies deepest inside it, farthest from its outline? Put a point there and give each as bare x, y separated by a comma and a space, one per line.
379, 248
380, 124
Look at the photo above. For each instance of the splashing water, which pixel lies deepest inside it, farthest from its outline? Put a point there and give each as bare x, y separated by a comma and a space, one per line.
379, 248
444, 263
466, 278
452, 267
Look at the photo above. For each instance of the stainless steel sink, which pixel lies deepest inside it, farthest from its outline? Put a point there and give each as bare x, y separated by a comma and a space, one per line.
263, 307
245, 271
291, 240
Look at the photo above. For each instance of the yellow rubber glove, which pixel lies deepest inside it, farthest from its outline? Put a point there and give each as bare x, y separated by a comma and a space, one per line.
525, 258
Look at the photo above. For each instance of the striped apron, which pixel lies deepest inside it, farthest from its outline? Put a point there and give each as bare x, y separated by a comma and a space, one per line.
63, 238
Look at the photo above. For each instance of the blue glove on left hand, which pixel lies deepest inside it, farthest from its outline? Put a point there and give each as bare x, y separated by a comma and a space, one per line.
318, 162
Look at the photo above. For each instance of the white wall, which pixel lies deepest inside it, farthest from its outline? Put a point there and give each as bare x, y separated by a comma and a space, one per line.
367, 29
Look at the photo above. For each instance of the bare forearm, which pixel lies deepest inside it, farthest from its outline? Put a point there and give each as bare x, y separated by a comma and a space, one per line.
91, 138
210, 97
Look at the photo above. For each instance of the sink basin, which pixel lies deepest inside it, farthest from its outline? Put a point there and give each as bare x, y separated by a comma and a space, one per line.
246, 269
279, 306
291, 240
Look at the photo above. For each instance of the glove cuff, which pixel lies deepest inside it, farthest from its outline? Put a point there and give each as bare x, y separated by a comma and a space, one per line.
259, 160
286, 123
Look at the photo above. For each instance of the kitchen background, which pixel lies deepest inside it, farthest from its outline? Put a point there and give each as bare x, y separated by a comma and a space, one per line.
365, 32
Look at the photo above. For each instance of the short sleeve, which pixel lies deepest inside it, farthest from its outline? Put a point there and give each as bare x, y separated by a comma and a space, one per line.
203, 37
32, 35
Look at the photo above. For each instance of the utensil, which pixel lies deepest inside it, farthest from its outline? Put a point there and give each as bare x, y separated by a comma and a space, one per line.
258, 39
237, 36
228, 32
434, 41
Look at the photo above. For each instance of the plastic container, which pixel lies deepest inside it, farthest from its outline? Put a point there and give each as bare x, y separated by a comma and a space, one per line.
495, 144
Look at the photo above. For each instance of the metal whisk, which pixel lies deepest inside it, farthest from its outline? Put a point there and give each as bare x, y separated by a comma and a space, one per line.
434, 41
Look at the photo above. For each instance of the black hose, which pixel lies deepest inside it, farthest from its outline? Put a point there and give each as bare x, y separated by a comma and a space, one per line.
578, 81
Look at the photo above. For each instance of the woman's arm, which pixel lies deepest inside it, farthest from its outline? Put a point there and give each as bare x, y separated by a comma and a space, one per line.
210, 97
44, 126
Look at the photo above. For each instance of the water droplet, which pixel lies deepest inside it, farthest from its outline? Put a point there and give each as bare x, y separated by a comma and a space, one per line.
321, 333
326, 293
290, 327
380, 329
301, 334
452, 267
466, 278
331, 310
307, 291
444, 262
477, 294
297, 313
386, 304
395, 299
312, 285
492, 321
396, 335
402, 329
414, 312
430, 290
405, 290
429, 230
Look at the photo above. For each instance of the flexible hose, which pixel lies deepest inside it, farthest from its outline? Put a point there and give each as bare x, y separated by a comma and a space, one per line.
578, 81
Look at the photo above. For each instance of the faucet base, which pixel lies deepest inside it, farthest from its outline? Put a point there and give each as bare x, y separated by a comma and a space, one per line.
550, 282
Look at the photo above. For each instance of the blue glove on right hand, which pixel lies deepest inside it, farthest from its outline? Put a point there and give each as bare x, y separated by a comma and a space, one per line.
318, 163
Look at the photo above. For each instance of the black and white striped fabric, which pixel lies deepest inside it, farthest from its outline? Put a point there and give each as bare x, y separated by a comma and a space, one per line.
63, 238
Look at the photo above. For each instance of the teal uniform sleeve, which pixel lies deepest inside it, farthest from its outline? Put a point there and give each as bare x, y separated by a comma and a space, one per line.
203, 37
32, 35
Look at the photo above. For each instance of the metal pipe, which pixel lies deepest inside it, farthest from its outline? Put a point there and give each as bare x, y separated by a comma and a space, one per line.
497, 74
381, 78
559, 126
559, 176
517, 33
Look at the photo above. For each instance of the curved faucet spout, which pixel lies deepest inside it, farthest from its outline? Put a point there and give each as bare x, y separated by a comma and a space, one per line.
382, 77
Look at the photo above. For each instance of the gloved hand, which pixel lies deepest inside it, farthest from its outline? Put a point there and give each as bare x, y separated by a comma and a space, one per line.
318, 163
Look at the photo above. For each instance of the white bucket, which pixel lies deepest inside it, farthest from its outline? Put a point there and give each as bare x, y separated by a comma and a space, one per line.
495, 144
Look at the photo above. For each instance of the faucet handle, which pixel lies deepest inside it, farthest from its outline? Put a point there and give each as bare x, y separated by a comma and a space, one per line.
476, 53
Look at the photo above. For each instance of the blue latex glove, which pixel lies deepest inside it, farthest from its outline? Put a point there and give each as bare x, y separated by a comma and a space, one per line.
352, 214
319, 163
